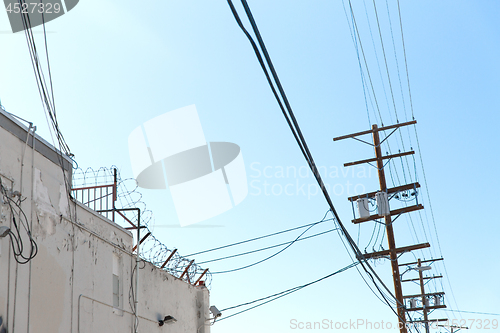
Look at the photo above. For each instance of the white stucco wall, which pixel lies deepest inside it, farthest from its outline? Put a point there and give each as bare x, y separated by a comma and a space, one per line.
68, 286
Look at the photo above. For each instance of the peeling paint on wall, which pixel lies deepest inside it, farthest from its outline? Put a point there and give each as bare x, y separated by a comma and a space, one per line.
45, 211
41, 195
63, 201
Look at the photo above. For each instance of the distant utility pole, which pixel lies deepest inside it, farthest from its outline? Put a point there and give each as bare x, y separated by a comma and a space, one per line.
384, 211
425, 298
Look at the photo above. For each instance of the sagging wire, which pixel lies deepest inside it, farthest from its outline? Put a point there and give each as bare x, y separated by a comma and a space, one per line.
276, 296
275, 254
18, 246
267, 248
46, 94
262, 237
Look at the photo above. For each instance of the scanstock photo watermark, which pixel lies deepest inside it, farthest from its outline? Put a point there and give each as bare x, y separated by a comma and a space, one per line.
277, 180
370, 325
204, 178
24, 14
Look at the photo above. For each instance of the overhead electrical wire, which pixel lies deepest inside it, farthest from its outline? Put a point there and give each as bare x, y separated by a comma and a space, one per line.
355, 41
276, 296
267, 247
46, 94
354, 34
385, 61
295, 129
261, 237
389, 76
473, 312
356, 30
424, 228
355, 27
271, 256
420, 154
359, 39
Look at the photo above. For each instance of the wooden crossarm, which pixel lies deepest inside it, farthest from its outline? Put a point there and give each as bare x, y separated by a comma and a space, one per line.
427, 308
398, 250
369, 160
425, 278
389, 191
393, 213
431, 294
371, 131
423, 261
428, 321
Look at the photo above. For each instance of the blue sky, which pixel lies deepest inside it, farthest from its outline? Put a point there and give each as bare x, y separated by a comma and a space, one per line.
116, 65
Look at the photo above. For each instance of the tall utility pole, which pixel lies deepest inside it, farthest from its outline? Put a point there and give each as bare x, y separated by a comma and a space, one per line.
390, 232
393, 250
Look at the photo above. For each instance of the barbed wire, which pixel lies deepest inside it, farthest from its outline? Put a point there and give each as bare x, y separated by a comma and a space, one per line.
128, 196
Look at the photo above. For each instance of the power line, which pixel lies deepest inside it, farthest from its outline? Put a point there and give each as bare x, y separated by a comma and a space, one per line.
46, 95
385, 60
283, 293
420, 153
416, 134
264, 236
267, 248
271, 256
483, 313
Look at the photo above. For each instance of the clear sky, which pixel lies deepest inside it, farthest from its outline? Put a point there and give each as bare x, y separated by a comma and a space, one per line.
117, 64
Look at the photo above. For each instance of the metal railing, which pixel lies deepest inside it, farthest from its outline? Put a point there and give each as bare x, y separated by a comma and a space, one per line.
100, 198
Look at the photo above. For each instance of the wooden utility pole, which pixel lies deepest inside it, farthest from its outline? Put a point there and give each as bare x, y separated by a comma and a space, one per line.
393, 250
390, 233
424, 298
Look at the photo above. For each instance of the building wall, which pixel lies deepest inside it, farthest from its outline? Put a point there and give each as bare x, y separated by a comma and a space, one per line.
81, 278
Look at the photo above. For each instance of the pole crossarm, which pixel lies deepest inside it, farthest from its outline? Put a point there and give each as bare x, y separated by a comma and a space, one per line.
369, 160
427, 308
428, 321
374, 130
423, 261
419, 295
389, 191
454, 327
425, 278
397, 250
394, 212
